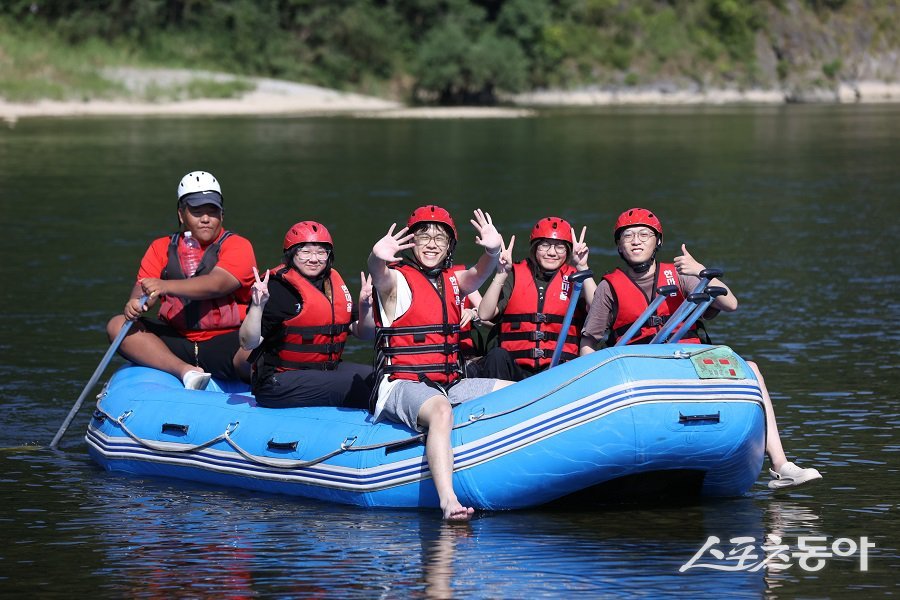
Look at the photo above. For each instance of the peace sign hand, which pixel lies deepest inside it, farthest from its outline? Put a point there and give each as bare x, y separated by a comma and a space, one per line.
387, 247
365, 290
259, 291
505, 262
580, 251
488, 236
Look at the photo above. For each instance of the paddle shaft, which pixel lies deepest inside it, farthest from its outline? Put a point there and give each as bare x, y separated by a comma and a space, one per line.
706, 275
578, 280
661, 294
710, 295
93, 381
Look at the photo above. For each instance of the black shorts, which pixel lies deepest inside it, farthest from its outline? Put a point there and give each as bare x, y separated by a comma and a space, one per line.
215, 356
349, 385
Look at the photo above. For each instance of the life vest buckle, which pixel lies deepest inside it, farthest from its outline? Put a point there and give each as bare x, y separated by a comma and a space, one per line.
538, 336
539, 318
537, 353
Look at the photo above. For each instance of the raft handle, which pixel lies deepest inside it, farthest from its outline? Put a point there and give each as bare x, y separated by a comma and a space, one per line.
174, 428
416, 441
99, 416
273, 445
698, 419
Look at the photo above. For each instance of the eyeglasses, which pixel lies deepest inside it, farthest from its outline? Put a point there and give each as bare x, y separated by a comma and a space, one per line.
319, 253
643, 235
440, 240
558, 246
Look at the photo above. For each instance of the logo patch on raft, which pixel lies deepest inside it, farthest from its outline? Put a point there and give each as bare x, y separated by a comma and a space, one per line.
718, 363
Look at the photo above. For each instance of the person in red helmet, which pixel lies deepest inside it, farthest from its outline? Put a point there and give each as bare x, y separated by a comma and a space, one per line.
196, 334
624, 294
299, 318
627, 291
529, 299
419, 298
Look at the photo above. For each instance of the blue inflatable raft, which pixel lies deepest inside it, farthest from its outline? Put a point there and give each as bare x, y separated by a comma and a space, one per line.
689, 416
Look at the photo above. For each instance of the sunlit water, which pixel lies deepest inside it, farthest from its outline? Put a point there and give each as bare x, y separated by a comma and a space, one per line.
797, 204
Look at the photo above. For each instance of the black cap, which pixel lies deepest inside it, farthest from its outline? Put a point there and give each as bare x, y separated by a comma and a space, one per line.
200, 198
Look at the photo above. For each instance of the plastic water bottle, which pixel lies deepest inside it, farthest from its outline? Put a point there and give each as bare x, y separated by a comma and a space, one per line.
190, 255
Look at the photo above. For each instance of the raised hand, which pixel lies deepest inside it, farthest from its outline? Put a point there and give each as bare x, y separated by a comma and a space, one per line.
488, 236
505, 262
390, 245
687, 264
365, 289
259, 291
580, 250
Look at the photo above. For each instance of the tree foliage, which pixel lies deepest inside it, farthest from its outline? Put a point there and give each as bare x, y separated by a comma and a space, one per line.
452, 51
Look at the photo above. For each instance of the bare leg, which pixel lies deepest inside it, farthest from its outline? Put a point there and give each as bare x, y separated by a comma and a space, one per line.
773, 440
144, 348
501, 383
437, 415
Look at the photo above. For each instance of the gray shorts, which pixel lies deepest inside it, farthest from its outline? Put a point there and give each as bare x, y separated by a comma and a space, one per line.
405, 400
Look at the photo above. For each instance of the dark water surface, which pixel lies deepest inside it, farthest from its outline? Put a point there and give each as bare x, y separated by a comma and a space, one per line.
798, 204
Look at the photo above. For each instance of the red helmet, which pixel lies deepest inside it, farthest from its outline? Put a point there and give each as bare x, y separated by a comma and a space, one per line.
432, 214
637, 216
552, 228
307, 231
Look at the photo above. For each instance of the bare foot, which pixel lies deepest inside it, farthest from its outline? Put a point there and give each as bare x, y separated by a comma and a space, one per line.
454, 511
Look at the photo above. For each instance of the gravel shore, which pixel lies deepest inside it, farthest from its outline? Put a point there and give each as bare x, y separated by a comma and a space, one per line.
275, 97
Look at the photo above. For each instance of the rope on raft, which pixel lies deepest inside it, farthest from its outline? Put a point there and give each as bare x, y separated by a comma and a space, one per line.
349, 444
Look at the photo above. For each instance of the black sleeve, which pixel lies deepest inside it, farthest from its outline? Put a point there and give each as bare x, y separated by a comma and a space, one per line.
284, 303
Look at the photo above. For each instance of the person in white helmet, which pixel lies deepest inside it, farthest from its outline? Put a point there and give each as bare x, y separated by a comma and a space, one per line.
195, 335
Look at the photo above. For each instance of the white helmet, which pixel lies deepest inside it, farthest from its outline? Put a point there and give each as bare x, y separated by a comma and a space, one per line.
198, 181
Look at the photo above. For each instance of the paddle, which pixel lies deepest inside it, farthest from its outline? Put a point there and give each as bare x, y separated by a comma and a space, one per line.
706, 275
661, 294
703, 301
93, 381
578, 280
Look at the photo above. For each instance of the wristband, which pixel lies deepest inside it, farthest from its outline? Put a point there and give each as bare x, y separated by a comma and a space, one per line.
486, 251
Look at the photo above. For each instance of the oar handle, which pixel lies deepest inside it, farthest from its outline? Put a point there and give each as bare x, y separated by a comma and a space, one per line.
93, 381
662, 293
578, 280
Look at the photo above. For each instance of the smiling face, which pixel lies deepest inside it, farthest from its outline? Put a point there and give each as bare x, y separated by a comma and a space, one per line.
311, 259
432, 245
637, 244
550, 254
204, 222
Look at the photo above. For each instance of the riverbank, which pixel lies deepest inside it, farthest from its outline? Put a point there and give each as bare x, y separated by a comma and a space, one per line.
276, 97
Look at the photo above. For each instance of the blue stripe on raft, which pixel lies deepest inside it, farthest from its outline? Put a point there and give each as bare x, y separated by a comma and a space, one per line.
467, 455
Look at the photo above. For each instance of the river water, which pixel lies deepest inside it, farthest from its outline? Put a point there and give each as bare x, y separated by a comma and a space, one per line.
799, 205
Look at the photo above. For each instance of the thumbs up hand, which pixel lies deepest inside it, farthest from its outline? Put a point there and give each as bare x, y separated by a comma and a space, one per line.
686, 264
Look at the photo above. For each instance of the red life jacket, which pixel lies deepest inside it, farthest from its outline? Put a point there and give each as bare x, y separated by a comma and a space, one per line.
630, 302
423, 343
198, 315
528, 330
466, 343
314, 338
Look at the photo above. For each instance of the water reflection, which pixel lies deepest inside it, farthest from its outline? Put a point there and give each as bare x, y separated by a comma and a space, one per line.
197, 542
